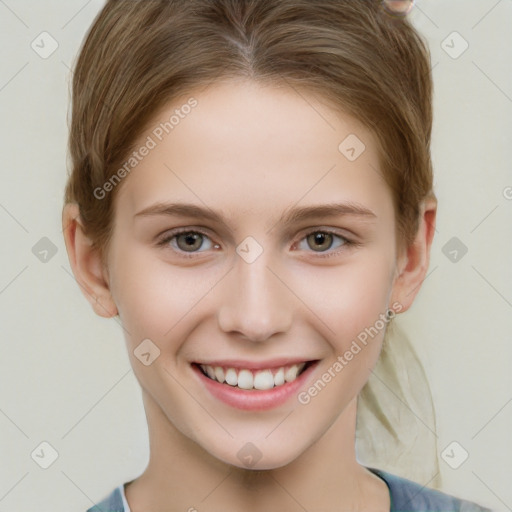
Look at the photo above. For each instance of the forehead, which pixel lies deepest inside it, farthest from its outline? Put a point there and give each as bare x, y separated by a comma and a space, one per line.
252, 147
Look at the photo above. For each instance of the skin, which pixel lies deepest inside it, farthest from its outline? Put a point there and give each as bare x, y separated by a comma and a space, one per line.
252, 153
399, 6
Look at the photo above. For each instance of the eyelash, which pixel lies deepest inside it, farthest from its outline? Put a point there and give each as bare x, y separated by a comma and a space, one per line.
347, 243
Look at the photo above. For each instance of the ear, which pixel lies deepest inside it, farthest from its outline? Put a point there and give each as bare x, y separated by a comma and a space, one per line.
86, 263
414, 261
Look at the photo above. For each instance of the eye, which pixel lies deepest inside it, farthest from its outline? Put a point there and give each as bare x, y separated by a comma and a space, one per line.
322, 241
186, 241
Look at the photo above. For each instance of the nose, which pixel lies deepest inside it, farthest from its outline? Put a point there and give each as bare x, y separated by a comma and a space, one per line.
256, 304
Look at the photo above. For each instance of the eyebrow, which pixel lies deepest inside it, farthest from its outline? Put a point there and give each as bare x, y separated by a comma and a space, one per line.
292, 216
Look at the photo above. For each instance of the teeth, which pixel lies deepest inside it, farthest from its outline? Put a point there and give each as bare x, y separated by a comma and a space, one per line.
246, 379
231, 377
264, 380
279, 377
219, 374
290, 374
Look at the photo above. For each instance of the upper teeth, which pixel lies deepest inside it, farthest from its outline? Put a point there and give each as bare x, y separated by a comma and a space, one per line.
247, 379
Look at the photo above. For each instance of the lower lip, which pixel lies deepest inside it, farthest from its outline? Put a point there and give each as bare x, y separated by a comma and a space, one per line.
254, 399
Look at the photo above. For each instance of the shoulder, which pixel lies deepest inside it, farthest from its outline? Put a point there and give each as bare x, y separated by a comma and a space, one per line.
112, 503
409, 496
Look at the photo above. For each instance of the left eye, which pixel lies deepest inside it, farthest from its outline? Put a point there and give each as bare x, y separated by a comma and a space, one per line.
323, 240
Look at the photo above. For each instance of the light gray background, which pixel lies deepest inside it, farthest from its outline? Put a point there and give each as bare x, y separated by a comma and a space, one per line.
65, 376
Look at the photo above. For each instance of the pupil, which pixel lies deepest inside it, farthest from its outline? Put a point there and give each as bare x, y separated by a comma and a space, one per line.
192, 240
320, 238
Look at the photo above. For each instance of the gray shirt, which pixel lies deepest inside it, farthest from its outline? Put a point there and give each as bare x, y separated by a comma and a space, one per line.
405, 496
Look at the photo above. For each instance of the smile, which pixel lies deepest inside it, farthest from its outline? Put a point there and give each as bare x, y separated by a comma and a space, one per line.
254, 386
248, 379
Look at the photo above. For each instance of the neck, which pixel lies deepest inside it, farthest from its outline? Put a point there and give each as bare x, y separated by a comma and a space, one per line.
182, 476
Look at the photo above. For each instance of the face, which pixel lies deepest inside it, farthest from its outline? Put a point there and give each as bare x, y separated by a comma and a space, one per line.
228, 252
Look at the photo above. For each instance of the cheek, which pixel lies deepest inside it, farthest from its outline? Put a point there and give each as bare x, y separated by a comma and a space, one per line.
349, 298
154, 298
353, 307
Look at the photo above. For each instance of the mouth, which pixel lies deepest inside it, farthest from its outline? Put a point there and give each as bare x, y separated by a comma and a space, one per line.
252, 379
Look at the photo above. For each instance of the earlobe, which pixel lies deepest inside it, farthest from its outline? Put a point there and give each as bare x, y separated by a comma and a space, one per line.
413, 265
86, 264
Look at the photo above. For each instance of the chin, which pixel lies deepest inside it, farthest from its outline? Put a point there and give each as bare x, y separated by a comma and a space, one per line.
252, 458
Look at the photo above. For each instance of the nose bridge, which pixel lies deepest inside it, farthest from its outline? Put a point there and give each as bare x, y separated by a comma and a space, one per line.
255, 304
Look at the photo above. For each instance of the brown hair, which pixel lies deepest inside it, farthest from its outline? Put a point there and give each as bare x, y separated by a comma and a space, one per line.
141, 54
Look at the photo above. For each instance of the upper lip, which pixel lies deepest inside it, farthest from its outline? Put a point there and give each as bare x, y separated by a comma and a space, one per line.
256, 365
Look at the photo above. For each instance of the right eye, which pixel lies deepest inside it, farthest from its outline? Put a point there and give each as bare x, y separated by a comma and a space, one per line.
185, 241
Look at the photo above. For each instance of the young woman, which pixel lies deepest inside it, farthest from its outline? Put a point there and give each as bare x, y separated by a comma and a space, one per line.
251, 192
